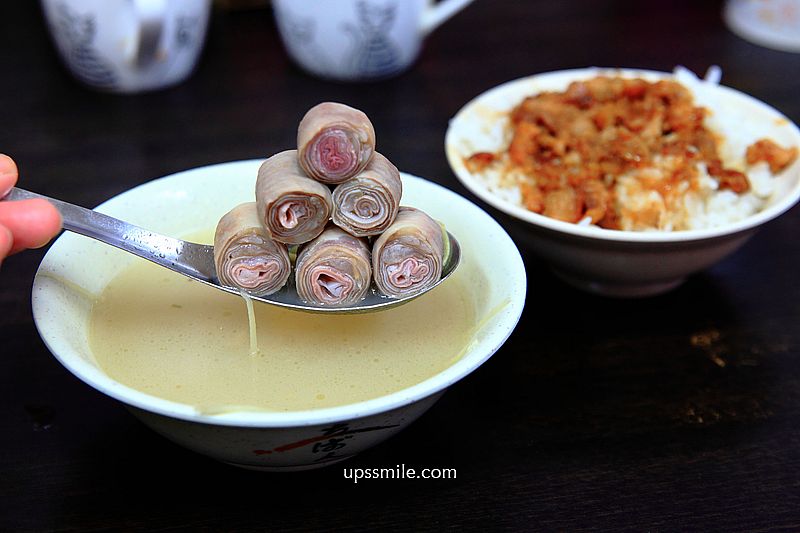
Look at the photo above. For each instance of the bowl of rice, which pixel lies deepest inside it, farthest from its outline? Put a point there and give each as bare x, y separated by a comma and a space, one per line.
628, 180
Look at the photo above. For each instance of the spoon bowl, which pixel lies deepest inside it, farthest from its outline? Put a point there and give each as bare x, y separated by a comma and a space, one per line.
196, 261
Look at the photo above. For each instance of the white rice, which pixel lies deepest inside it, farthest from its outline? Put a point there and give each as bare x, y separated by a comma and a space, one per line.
701, 205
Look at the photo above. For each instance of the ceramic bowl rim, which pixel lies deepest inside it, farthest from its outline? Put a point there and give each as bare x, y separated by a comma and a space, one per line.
779, 207
470, 361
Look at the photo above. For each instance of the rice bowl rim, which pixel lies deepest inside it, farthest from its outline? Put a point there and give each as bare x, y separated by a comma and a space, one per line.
482, 190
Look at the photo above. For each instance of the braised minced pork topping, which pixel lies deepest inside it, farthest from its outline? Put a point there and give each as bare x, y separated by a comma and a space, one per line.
572, 146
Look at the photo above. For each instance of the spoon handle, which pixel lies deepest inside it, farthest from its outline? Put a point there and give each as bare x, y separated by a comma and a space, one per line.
188, 258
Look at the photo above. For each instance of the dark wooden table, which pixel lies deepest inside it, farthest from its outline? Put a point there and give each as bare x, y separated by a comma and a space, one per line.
596, 414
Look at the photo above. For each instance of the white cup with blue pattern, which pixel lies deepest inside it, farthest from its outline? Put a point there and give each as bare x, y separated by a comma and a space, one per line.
128, 46
358, 40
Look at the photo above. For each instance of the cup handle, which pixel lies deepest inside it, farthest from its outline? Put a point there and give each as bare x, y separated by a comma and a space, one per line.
434, 15
150, 15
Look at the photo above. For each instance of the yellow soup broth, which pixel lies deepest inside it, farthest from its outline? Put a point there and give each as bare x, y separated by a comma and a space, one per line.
166, 335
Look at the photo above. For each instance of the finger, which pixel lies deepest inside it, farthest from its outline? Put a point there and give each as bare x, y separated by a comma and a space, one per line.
8, 174
6, 241
32, 222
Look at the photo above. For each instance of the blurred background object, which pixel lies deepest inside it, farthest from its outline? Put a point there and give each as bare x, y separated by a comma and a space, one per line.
128, 46
358, 40
235, 5
771, 23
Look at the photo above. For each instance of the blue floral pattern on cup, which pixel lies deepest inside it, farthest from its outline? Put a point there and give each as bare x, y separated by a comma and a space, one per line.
373, 54
85, 62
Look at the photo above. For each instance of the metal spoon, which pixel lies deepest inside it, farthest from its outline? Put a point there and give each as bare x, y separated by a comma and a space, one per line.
197, 260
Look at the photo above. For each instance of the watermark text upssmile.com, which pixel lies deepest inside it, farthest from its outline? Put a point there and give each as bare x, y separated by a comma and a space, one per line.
399, 472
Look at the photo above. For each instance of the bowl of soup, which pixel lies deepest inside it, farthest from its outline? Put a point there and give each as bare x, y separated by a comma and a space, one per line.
319, 388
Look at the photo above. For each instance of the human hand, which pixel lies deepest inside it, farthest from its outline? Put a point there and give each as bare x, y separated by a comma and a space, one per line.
24, 223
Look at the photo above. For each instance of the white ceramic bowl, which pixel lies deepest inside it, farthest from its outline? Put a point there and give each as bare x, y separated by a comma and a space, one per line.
621, 263
76, 269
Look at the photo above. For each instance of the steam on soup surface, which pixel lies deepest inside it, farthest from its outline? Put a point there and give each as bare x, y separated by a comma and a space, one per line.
165, 335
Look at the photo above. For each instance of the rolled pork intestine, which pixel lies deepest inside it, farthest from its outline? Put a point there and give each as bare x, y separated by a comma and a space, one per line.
367, 203
334, 142
333, 269
292, 206
245, 256
407, 258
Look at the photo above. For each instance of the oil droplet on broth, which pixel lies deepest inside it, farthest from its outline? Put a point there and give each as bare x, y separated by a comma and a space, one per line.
138, 339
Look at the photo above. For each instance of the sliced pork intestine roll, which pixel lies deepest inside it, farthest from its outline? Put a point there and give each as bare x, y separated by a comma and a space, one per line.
245, 256
333, 269
292, 206
407, 258
334, 142
367, 203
